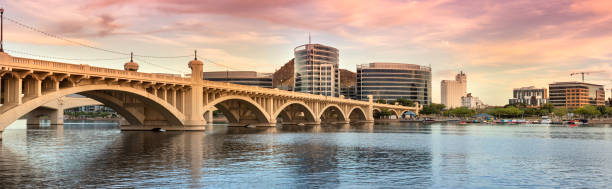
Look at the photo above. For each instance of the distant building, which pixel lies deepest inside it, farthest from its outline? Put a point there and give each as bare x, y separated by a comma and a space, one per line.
576, 94
348, 84
250, 78
391, 81
529, 96
283, 77
453, 90
472, 102
316, 70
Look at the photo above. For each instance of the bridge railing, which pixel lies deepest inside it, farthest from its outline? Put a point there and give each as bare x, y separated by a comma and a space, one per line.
261, 90
84, 69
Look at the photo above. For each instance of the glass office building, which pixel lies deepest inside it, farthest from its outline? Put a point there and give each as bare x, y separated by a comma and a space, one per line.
391, 81
316, 70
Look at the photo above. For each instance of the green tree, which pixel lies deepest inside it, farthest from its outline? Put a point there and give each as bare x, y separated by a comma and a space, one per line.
587, 111
462, 112
381, 101
432, 109
405, 102
560, 112
532, 111
547, 108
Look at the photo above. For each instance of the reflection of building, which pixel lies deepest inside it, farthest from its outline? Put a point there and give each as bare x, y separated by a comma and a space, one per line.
453, 90
391, 81
530, 96
576, 94
241, 77
316, 70
283, 77
472, 102
348, 84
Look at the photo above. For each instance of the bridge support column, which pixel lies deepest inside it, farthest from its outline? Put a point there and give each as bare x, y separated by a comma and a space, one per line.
194, 101
1, 135
57, 117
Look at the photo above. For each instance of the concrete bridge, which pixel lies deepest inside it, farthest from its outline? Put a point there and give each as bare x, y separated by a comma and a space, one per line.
168, 101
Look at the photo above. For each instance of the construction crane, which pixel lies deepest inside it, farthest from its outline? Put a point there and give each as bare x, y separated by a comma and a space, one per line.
582, 73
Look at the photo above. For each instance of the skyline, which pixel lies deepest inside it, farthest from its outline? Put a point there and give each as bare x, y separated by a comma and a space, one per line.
498, 48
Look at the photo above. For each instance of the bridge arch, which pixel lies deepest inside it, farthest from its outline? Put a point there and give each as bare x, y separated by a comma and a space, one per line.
240, 110
173, 115
309, 115
327, 112
357, 114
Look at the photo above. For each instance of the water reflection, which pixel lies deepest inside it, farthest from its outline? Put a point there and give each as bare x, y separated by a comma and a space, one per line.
357, 155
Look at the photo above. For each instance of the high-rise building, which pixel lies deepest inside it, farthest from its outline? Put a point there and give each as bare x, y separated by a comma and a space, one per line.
391, 81
529, 96
316, 70
576, 94
250, 78
453, 90
472, 102
348, 84
283, 77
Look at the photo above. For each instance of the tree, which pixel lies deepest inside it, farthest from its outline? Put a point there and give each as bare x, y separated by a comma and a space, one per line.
532, 111
560, 112
462, 112
587, 111
432, 109
381, 101
547, 108
405, 102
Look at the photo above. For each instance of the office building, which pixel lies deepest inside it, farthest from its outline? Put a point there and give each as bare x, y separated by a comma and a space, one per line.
453, 90
391, 81
576, 94
316, 70
472, 102
529, 96
250, 78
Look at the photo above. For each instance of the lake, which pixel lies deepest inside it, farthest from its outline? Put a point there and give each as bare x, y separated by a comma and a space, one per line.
390, 155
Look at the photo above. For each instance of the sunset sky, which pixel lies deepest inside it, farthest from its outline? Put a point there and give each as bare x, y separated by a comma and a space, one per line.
499, 44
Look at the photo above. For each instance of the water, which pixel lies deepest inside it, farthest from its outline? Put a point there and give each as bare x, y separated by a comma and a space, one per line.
358, 156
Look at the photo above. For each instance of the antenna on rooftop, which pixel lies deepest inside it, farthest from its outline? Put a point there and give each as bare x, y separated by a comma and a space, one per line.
309, 38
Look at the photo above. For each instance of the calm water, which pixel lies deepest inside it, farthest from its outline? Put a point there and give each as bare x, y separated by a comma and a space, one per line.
356, 156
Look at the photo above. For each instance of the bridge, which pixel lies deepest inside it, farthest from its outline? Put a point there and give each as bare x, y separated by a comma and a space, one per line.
172, 102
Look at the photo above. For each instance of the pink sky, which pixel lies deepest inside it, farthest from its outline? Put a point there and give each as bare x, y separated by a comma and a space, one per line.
500, 44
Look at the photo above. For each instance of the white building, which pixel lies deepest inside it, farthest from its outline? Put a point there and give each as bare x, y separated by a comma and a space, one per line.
453, 90
472, 102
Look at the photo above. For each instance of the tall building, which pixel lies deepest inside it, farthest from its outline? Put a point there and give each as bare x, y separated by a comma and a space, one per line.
391, 81
576, 94
316, 70
250, 78
453, 90
348, 84
283, 77
472, 102
530, 96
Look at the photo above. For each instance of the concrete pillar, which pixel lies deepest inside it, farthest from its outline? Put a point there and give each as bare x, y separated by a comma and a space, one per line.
1, 135
209, 117
57, 117
33, 118
194, 102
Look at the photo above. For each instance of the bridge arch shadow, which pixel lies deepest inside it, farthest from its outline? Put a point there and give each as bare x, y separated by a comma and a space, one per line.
240, 111
357, 114
295, 112
332, 114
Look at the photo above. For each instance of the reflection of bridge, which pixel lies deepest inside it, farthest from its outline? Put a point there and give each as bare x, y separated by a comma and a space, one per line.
172, 102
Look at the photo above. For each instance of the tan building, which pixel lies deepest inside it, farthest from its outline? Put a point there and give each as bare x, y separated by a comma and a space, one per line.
576, 94
453, 90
